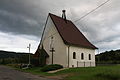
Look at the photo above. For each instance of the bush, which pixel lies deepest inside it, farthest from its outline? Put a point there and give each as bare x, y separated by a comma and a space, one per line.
51, 67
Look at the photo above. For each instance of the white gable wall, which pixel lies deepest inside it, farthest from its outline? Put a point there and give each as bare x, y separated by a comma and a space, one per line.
59, 56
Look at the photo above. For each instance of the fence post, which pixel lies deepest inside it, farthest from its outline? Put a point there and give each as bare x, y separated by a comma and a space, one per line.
84, 64
77, 63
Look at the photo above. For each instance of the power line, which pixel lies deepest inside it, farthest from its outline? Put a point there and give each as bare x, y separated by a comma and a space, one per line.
92, 10
82, 16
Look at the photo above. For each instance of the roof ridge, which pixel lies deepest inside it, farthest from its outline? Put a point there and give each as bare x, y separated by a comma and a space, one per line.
58, 16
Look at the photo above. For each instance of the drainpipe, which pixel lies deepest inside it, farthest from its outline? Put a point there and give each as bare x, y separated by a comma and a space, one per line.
68, 55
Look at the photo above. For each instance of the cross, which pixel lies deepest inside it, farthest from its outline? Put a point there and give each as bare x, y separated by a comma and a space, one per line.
52, 50
29, 52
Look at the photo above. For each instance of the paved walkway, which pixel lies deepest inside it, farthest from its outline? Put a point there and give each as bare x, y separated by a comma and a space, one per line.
7, 73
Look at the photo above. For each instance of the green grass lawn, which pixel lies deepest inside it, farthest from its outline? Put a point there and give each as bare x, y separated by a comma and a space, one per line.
95, 73
89, 73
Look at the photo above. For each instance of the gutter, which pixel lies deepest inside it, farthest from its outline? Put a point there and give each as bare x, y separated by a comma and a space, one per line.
68, 55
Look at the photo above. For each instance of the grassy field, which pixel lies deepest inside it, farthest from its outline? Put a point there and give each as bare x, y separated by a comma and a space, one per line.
90, 73
97, 73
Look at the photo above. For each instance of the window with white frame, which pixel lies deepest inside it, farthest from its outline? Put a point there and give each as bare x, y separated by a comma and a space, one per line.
51, 42
82, 56
89, 56
74, 55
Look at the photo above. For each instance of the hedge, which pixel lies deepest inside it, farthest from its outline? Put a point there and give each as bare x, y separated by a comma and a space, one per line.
51, 67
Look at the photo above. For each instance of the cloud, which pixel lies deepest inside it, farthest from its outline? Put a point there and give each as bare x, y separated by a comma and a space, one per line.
18, 24
112, 44
27, 17
18, 43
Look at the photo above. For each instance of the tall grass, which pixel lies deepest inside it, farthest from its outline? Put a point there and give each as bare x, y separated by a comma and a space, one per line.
94, 73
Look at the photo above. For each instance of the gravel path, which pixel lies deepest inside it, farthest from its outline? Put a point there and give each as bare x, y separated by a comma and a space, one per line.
7, 73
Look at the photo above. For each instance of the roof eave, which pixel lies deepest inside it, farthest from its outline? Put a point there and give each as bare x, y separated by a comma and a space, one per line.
77, 45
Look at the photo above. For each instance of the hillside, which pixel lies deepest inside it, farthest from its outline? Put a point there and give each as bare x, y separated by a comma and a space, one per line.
7, 57
7, 54
109, 57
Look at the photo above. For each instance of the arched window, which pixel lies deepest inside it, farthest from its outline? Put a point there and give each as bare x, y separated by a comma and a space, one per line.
89, 56
82, 56
74, 55
51, 42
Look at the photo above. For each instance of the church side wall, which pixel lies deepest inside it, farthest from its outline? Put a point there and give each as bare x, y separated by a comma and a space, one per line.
78, 62
59, 56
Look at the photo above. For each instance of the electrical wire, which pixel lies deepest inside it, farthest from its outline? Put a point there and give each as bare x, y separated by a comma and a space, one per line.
92, 11
83, 16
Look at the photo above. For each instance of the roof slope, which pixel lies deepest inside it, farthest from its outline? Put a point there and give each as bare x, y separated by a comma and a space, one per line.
70, 33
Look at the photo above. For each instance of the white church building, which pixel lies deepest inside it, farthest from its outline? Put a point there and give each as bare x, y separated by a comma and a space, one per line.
65, 44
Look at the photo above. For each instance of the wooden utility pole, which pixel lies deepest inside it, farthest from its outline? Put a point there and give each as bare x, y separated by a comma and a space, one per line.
29, 53
52, 50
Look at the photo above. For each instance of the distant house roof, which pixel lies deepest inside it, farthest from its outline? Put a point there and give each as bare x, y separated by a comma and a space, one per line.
70, 33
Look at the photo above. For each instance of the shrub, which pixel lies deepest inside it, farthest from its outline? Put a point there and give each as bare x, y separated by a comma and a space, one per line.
51, 67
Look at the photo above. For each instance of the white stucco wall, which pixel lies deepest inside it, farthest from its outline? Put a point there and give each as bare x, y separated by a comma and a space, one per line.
78, 62
60, 56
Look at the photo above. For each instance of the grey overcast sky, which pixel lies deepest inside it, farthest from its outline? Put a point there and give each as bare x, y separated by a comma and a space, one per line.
22, 22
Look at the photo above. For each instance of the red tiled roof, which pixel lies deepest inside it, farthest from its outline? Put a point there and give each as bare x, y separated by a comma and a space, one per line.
70, 33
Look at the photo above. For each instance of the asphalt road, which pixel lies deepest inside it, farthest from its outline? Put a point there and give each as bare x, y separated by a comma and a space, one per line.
7, 73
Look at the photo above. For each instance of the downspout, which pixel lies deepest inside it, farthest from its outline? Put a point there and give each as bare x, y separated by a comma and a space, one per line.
68, 55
